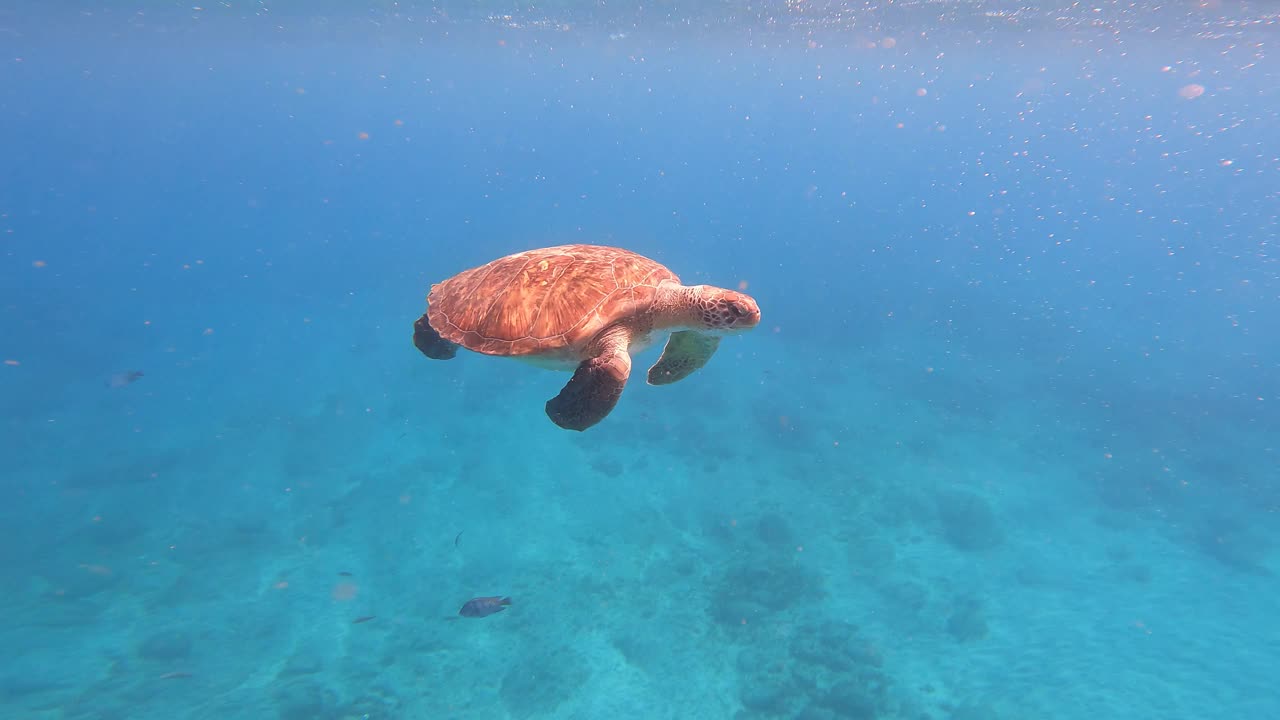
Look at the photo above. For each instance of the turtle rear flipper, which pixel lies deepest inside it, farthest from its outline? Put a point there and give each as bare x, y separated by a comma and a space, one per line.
426, 339
594, 389
685, 352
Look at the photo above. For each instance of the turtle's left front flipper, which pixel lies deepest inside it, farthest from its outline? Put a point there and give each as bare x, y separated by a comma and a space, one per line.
592, 392
685, 352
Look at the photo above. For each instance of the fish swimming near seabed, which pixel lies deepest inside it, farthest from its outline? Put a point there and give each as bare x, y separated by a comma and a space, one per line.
121, 379
484, 606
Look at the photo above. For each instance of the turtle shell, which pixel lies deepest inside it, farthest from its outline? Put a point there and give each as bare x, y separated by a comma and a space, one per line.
551, 301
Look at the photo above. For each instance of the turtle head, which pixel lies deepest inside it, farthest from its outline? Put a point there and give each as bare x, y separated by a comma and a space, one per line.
722, 312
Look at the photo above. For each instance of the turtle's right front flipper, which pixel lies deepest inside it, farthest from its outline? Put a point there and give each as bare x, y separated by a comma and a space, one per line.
426, 339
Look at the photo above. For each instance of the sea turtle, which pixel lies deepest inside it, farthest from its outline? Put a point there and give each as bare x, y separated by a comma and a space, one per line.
584, 308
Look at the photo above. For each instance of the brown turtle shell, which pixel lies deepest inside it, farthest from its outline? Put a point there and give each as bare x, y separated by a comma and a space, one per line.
550, 301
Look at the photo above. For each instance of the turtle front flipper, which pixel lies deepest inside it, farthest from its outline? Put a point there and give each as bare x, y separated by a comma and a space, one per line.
426, 339
592, 391
685, 352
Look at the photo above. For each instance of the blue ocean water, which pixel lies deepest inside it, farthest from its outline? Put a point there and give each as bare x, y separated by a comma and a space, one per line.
1004, 445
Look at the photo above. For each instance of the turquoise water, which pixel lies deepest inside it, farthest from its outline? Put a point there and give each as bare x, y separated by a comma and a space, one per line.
1002, 447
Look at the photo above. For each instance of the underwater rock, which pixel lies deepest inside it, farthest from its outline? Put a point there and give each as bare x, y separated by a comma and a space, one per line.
967, 521
970, 711
301, 663
851, 701
899, 508
967, 622
815, 711
765, 681
115, 532
380, 701
540, 684
870, 553
772, 530
641, 650
907, 596
79, 581
828, 672
750, 590
165, 646
607, 466
306, 700
1237, 548
837, 647
764, 698
16, 684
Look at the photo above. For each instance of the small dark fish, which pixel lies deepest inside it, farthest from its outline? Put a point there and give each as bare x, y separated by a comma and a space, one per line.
363, 619
121, 379
344, 573
484, 606
457, 537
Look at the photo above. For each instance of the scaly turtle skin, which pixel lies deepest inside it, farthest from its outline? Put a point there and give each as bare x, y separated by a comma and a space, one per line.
582, 307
